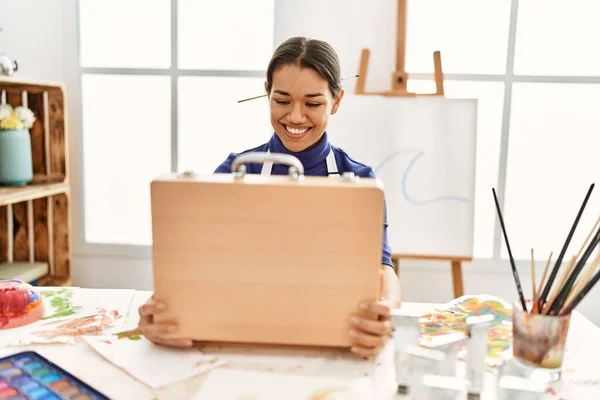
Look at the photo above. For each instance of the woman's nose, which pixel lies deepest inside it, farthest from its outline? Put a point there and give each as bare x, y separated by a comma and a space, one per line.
296, 116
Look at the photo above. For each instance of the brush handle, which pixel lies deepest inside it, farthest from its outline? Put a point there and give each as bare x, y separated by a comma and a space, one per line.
562, 295
586, 289
552, 276
512, 260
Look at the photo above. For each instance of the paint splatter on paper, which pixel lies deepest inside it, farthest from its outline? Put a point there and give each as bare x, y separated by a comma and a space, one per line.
68, 314
133, 334
451, 319
89, 325
59, 303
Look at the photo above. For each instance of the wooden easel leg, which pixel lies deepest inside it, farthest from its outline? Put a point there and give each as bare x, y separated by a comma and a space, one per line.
439, 75
399, 77
457, 278
362, 72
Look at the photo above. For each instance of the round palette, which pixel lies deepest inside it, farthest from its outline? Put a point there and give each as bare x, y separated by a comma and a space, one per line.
20, 304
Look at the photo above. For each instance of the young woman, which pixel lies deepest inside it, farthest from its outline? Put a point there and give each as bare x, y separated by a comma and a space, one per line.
304, 89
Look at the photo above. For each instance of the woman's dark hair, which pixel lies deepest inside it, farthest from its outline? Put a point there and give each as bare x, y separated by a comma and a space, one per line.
307, 53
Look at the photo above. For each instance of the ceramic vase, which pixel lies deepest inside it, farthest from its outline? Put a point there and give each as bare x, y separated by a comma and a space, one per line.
16, 166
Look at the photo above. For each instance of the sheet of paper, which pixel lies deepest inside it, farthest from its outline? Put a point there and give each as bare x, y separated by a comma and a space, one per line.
155, 366
582, 352
68, 314
235, 384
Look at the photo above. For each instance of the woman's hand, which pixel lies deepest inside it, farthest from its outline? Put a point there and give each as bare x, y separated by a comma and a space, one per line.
370, 328
159, 333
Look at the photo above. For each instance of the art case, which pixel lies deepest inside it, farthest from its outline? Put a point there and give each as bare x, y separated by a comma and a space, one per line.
282, 259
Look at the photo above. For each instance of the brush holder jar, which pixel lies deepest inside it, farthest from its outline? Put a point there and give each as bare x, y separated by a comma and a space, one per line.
539, 340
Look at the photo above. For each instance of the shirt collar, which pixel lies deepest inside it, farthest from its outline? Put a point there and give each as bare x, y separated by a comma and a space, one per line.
311, 157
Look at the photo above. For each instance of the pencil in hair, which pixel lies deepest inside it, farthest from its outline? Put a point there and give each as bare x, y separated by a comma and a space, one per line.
252, 98
265, 95
512, 260
552, 276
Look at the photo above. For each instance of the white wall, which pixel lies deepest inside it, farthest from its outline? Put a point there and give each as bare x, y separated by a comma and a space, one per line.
33, 36
39, 35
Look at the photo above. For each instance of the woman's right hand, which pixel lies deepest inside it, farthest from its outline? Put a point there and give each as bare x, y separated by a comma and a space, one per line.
160, 333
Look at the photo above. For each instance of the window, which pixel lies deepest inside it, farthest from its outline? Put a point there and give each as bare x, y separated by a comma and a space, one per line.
141, 115
538, 126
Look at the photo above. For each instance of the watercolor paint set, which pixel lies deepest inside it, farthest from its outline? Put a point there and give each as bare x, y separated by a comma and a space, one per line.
29, 376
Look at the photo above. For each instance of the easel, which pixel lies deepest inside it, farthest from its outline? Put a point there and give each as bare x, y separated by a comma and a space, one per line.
398, 88
399, 77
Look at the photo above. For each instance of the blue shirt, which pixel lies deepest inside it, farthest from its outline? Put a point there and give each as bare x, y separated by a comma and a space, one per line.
313, 160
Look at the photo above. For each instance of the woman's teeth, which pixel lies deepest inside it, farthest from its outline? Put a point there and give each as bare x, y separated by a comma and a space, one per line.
295, 131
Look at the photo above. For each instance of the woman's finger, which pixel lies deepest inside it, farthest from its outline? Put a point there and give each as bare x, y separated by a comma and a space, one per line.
166, 331
366, 339
380, 328
380, 308
366, 351
147, 309
176, 342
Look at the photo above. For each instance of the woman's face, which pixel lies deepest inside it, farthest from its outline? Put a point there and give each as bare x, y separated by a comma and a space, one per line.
300, 103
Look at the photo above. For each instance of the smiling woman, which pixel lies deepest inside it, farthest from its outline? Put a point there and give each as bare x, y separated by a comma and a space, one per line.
303, 86
304, 89
301, 105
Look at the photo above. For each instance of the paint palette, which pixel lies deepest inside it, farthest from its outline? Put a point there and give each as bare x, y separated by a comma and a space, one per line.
29, 376
20, 304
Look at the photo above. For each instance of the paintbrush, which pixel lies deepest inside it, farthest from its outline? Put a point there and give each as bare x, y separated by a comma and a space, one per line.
264, 95
562, 296
552, 276
561, 282
580, 296
543, 280
512, 260
534, 293
585, 278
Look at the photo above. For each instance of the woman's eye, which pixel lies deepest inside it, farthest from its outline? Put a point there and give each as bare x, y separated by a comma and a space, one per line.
313, 105
282, 102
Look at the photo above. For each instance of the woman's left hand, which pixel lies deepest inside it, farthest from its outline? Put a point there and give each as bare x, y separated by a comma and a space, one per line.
370, 328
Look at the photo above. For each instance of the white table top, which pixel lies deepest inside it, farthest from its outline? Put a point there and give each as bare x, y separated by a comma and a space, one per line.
84, 362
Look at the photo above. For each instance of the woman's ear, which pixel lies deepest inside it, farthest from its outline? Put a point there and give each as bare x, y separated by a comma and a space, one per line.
337, 101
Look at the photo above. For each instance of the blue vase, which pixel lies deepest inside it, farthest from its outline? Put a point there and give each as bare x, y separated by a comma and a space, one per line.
16, 166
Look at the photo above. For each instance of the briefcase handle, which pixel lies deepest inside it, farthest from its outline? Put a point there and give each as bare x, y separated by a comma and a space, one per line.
238, 166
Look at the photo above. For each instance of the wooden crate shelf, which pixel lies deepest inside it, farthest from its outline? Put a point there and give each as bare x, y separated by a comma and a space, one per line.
12, 195
25, 271
35, 230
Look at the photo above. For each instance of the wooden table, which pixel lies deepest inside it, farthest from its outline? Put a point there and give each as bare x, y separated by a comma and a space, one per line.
84, 362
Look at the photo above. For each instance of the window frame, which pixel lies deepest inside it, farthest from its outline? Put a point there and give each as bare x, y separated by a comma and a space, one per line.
74, 73
509, 78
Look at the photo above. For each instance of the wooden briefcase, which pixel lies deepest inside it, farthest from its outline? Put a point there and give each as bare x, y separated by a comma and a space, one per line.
266, 259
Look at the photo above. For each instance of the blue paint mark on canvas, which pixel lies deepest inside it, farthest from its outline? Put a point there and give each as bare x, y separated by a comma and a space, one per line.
405, 175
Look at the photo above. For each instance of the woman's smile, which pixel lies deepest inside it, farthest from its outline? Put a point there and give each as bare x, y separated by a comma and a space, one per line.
296, 132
